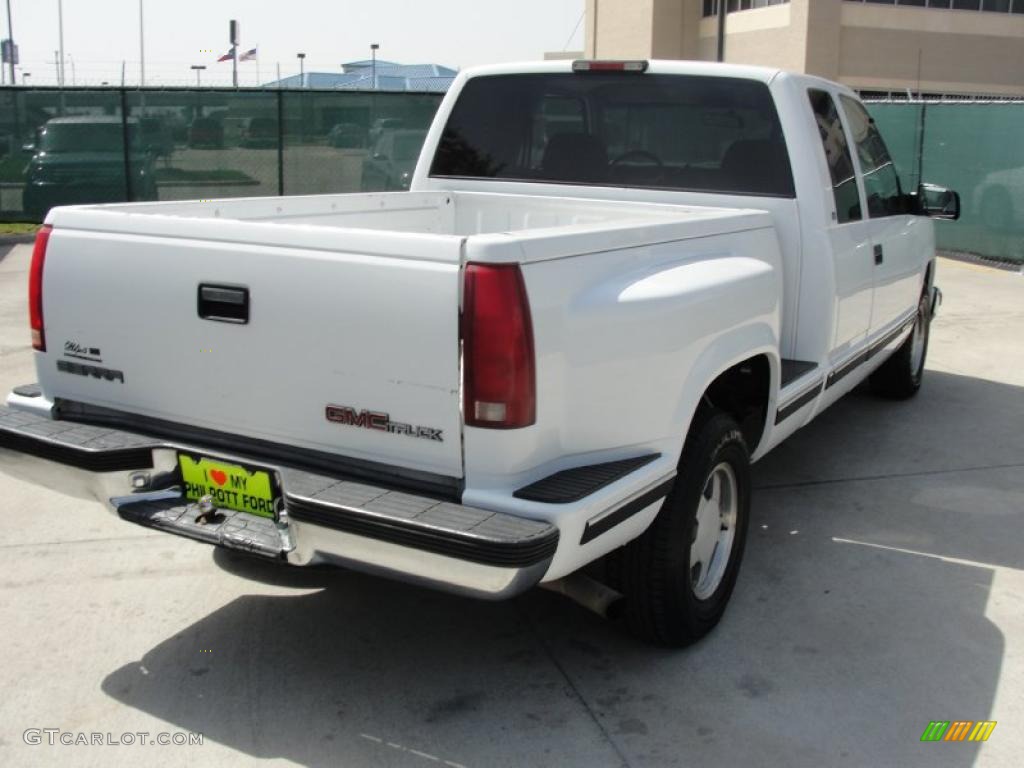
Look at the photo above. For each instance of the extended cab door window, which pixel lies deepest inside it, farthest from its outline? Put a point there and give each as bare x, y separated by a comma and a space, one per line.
849, 235
837, 153
881, 182
900, 240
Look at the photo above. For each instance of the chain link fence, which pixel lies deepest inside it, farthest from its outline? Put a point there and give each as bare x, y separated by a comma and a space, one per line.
69, 146
975, 148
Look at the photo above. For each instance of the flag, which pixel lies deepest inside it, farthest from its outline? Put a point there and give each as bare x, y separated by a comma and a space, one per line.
248, 55
228, 56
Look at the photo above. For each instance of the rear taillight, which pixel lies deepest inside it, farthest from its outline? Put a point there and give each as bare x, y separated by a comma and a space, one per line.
500, 385
35, 288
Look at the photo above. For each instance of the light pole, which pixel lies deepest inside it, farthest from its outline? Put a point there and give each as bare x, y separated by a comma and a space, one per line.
10, 37
198, 70
25, 76
302, 69
142, 49
374, 47
722, 11
60, 35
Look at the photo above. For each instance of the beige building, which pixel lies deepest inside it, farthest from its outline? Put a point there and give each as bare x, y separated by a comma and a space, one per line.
933, 47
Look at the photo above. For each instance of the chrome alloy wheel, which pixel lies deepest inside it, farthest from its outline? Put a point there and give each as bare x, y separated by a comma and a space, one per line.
713, 531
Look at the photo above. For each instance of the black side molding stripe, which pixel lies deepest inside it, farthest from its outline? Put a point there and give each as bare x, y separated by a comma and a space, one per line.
840, 373
626, 511
787, 410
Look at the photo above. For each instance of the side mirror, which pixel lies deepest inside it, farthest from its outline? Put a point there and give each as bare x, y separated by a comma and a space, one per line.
379, 156
938, 202
28, 147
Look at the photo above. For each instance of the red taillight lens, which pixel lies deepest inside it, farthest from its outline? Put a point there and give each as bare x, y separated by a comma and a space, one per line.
500, 383
35, 288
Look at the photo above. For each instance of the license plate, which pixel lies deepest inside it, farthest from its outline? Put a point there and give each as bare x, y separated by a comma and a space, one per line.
231, 486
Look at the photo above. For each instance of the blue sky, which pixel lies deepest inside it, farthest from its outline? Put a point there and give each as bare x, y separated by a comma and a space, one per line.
99, 34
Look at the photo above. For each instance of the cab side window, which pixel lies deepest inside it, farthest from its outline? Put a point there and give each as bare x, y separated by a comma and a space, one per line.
881, 182
837, 153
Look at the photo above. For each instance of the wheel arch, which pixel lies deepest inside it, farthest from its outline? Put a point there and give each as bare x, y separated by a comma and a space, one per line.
739, 374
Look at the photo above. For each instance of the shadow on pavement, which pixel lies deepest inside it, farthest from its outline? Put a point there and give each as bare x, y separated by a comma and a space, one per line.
850, 629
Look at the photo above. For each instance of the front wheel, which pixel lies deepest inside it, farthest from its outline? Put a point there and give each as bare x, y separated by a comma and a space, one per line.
677, 577
900, 376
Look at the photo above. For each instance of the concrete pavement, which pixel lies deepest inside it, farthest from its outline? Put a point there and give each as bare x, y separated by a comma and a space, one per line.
883, 588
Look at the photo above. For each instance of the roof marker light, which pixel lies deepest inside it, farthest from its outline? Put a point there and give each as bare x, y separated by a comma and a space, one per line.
585, 65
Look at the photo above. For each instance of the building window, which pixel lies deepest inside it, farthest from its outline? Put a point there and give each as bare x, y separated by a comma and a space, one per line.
731, 6
992, 6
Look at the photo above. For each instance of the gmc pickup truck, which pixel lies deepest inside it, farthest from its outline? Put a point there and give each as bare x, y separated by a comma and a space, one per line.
610, 287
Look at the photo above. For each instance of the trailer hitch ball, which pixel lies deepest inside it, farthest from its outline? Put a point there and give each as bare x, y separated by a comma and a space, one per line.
207, 512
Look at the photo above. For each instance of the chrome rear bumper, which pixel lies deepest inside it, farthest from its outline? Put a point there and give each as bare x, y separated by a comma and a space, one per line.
322, 518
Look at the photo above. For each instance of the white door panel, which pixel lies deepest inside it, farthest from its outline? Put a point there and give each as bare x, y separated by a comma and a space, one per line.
897, 268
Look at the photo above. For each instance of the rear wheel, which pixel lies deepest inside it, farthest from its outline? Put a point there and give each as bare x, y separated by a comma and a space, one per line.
900, 376
678, 576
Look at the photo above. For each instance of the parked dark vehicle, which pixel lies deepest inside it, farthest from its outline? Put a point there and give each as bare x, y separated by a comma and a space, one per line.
206, 133
393, 161
259, 133
79, 160
347, 136
381, 126
156, 137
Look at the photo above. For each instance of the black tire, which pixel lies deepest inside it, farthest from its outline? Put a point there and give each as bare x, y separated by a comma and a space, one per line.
900, 376
654, 571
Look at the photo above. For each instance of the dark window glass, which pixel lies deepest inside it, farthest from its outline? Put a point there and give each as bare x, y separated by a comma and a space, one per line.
910, 2
881, 182
1000, 6
967, 5
83, 135
837, 153
938, 3
710, 7
680, 132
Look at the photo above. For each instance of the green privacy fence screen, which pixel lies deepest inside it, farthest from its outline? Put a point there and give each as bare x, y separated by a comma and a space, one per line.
976, 149
112, 144
60, 147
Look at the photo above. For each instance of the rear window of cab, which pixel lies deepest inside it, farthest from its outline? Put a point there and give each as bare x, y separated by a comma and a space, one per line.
676, 132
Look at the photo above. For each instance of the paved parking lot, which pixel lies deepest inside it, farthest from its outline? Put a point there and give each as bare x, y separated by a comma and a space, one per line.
883, 588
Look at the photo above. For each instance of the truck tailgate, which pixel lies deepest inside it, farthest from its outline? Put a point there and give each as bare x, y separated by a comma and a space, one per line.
342, 351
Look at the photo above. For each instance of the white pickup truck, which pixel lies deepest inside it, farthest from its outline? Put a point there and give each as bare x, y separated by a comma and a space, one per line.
611, 287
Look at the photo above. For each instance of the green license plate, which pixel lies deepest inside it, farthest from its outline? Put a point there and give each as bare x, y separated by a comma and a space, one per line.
231, 486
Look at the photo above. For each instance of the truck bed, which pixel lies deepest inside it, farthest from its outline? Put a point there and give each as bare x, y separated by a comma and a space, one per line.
348, 341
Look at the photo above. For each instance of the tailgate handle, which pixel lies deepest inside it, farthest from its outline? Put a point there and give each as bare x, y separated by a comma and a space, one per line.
223, 303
